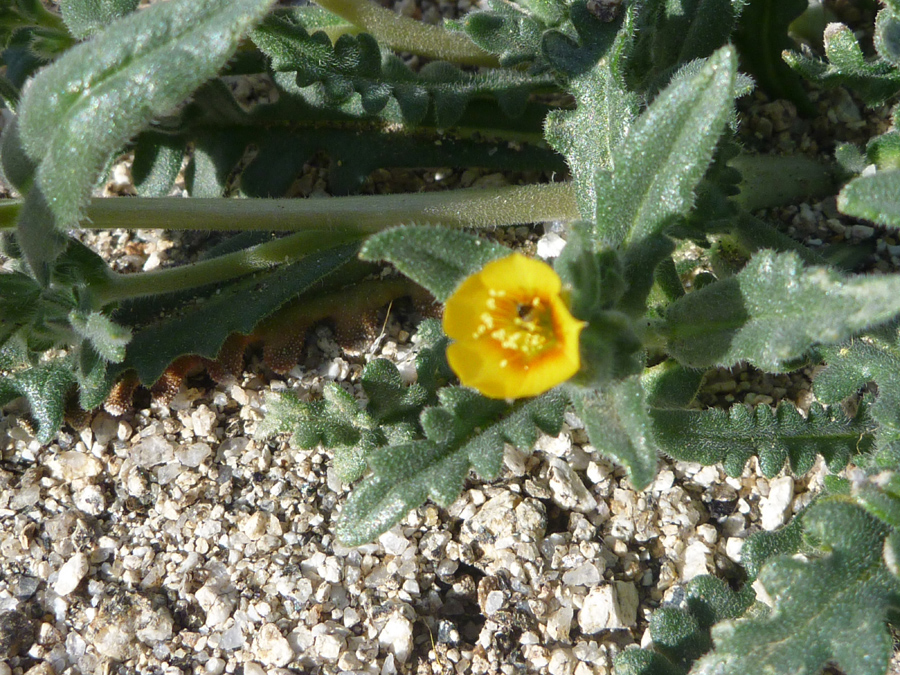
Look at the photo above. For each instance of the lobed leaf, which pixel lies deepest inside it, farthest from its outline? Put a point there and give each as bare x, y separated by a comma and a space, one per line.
731, 437
356, 65
45, 387
775, 310
875, 198
874, 357
874, 80
238, 307
463, 432
830, 609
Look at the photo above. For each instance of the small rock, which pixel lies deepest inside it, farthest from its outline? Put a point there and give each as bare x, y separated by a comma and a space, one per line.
152, 451
71, 574
23, 587
271, 647
774, 509
260, 524
16, 634
397, 636
610, 606
696, 560
494, 602
585, 574
559, 624
193, 455
90, 500
566, 487
73, 465
124, 620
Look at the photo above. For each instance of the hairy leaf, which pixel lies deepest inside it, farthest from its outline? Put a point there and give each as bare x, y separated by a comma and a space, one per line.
830, 609
84, 107
655, 170
773, 311
681, 633
238, 307
605, 110
731, 437
434, 257
157, 161
45, 387
107, 338
875, 198
86, 17
850, 366
463, 432
356, 65
619, 426
672, 34
874, 80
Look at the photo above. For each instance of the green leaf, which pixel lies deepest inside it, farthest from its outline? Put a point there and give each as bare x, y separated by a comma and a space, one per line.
875, 81
619, 426
157, 161
850, 366
605, 110
887, 35
671, 385
775, 310
761, 38
830, 609
672, 34
357, 66
239, 307
87, 17
763, 546
436, 258
79, 111
45, 387
681, 634
875, 198
463, 432
731, 437
107, 337
656, 169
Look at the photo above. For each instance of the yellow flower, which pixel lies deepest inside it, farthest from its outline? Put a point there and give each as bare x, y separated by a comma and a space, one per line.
514, 335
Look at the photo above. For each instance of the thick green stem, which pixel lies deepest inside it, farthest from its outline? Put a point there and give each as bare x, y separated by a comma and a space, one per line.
324, 223
776, 180
223, 268
494, 207
407, 35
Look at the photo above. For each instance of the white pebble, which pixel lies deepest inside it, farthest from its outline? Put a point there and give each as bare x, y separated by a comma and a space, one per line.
696, 557
71, 574
193, 454
152, 451
566, 488
585, 574
494, 602
610, 606
774, 509
272, 648
397, 636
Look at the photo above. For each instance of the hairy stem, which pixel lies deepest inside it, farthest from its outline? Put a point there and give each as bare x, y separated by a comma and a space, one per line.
490, 207
407, 35
323, 223
222, 268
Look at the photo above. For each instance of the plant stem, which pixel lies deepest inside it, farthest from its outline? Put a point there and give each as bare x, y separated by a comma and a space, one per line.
407, 35
325, 223
490, 207
288, 249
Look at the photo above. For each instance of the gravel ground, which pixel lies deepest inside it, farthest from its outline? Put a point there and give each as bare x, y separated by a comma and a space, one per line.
169, 540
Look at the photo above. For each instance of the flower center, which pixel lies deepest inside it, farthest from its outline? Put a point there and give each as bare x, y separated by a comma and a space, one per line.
520, 325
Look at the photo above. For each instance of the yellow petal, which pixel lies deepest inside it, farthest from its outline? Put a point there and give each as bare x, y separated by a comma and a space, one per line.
514, 335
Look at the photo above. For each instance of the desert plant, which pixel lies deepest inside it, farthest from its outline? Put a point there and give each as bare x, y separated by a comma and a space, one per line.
635, 103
